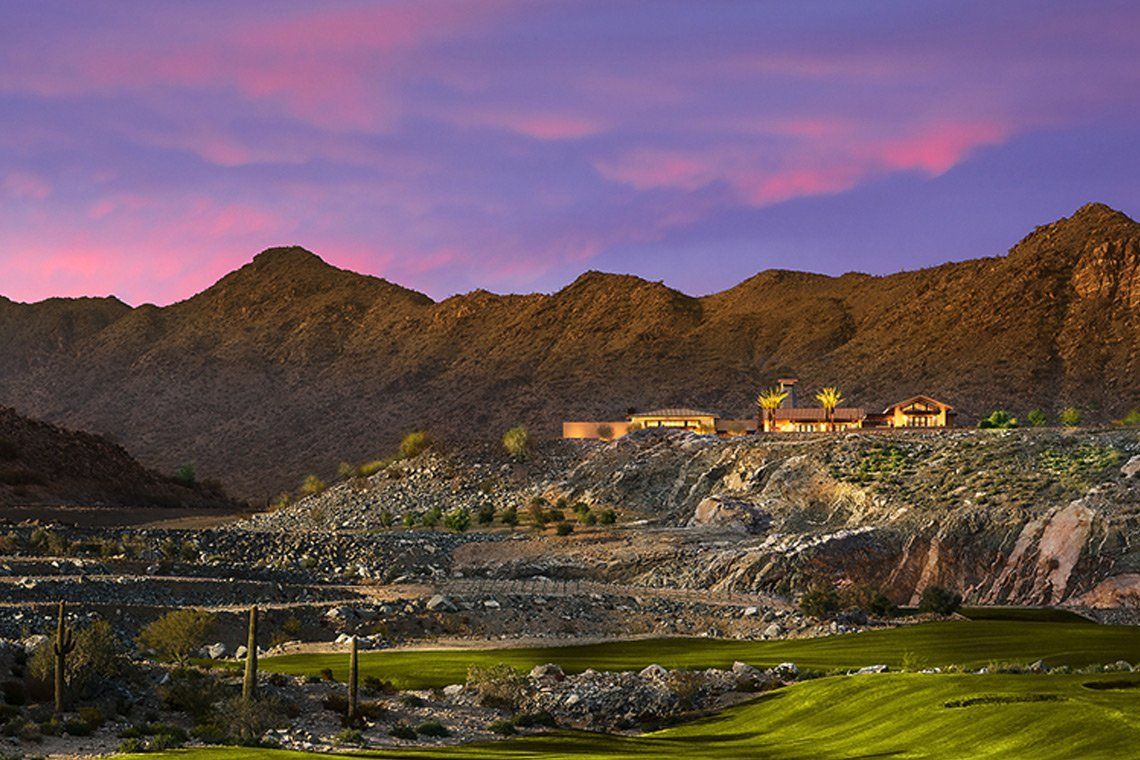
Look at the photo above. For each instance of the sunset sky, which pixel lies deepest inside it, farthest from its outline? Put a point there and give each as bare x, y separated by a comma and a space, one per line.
146, 148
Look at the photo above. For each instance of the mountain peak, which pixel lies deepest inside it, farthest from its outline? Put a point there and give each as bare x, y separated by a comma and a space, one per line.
288, 256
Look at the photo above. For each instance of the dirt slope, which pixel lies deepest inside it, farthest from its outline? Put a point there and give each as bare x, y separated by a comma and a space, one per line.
289, 365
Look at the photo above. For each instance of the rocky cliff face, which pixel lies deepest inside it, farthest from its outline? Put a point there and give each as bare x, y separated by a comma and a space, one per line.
1025, 517
289, 365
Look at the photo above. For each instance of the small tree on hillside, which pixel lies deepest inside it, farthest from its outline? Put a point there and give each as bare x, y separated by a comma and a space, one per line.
177, 634
185, 474
517, 442
999, 419
1037, 418
457, 520
1070, 416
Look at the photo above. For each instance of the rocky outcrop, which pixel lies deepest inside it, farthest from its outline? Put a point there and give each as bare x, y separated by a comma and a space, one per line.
731, 514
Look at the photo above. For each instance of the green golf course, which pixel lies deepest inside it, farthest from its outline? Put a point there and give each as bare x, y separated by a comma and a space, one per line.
895, 714
966, 643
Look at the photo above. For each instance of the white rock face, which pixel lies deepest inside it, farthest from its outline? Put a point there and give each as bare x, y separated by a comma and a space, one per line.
732, 514
1131, 468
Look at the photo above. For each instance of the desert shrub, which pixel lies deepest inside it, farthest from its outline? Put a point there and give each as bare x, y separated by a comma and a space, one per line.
509, 516
589, 518
517, 441
881, 606
1037, 418
386, 518
607, 517
280, 501
246, 720
530, 720
1132, 419
8, 450
432, 728
409, 520
9, 543
432, 517
1070, 416
346, 471
177, 634
289, 630
499, 686
563, 529
185, 474
605, 432
999, 419
502, 728
940, 600
457, 520
97, 656
312, 485
403, 731
553, 515
485, 515
350, 737
368, 469
580, 508
376, 685
414, 444
820, 601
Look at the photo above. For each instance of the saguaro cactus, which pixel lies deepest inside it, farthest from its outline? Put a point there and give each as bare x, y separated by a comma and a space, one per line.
353, 680
63, 646
249, 684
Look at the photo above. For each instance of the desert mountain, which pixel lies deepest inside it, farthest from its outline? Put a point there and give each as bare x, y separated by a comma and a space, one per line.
45, 464
290, 365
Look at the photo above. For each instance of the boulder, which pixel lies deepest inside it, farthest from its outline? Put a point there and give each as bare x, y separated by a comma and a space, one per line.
1131, 468
453, 691
215, 651
653, 672
732, 514
870, 669
548, 671
786, 670
440, 603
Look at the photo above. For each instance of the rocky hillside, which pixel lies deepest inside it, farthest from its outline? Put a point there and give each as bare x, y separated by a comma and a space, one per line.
1027, 517
289, 365
41, 464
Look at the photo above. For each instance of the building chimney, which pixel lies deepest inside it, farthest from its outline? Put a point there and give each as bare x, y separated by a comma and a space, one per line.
788, 386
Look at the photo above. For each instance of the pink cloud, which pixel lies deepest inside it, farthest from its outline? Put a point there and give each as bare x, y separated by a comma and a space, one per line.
935, 150
26, 185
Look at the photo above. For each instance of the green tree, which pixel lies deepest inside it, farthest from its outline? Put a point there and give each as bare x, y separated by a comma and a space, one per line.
821, 601
1132, 419
1070, 416
457, 520
177, 634
607, 517
1036, 418
432, 517
415, 443
509, 516
563, 529
517, 442
999, 419
486, 514
940, 600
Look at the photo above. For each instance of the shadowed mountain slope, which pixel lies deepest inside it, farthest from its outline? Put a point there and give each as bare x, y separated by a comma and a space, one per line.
290, 365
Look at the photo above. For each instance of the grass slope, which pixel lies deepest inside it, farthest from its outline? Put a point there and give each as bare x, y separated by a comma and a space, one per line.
896, 715
968, 643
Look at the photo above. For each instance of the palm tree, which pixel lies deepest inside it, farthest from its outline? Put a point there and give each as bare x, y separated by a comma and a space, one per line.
769, 401
829, 398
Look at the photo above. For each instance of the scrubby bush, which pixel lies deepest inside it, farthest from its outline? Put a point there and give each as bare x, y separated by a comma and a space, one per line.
432, 517
97, 656
409, 520
509, 516
178, 634
563, 529
245, 720
403, 731
537, 511
502, 728
821, 601
999, 419
312, 485
185, 474
605, 432
346, 470
1036, 418
368, 469
607, 517
530, 720
432, 728
1132, 419
1070, 416
280, 501
192, 692
499, 686
385, 518
414, 444
350, 737
881, 606
485, 515
589, 518
940, 600
517, 442
457, 520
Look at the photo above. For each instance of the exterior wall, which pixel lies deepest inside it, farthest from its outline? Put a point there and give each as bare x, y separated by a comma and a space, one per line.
589, 430
697, 424
815, 426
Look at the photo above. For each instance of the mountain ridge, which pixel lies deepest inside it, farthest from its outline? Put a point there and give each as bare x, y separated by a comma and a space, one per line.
289, 364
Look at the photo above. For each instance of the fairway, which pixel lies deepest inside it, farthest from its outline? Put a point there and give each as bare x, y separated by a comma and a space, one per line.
966, 643
1045, 717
